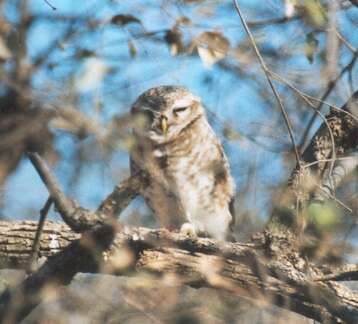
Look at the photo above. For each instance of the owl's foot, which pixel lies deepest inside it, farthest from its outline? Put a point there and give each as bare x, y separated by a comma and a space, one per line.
189, 230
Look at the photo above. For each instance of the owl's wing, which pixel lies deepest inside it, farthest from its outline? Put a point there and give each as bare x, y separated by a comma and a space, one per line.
223, 170
134, 169
135, 154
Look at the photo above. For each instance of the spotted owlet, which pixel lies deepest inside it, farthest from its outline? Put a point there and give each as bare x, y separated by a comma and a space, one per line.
190, 186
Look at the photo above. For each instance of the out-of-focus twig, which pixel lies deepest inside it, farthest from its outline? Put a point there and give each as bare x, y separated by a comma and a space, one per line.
331, 85
36, 244
345, 273
65, 207
354, 2
50, 5
81, 219
268, 77
122, 195
273, 21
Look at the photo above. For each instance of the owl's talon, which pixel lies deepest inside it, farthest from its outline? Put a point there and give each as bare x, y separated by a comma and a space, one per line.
188, 230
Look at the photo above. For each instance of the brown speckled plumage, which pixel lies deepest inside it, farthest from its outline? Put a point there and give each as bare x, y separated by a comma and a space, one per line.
190, 179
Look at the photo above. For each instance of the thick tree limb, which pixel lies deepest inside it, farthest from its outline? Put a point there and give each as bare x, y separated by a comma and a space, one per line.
239, 268
17, 303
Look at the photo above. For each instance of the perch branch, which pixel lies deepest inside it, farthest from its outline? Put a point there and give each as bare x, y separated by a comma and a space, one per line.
241, 269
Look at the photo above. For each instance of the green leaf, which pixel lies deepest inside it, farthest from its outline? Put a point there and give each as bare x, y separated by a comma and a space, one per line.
212, 47
325, 215
132, 49
315, 13
231, 134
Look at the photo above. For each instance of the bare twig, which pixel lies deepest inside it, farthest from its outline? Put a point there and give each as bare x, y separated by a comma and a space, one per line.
346, 273
273, 21
50, 5
339, 202
81, 219
268, 77
122, 195
345, 42
307, 165
310, 104
65, 207
36, 244
331, 85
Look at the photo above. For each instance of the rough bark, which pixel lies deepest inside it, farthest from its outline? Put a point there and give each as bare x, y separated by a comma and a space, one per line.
260, 271
331, 155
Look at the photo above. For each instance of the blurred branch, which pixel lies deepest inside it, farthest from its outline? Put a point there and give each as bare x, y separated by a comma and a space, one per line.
122, 195
45, 54
331, 85
273, 21
64, 205
342, 124
345, 273
59, 270
354, 2
50, 5
268, 77
80, 219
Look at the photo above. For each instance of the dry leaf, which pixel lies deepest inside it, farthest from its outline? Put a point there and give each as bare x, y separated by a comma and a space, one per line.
123, 20
183, 21
173, 38
84, 53
212, 47
5, 53
92, 75
315, 13
310, 47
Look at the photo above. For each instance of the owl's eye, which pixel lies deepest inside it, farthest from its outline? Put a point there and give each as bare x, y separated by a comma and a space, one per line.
180, 109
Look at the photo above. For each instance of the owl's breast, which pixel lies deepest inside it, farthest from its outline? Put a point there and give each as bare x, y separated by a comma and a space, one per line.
190, 181
190, 176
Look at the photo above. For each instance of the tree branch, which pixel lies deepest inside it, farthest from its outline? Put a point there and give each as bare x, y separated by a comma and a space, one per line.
239, 268
80, 219
269, 80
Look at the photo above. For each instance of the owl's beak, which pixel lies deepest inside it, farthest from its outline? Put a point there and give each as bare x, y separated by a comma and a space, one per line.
164, 124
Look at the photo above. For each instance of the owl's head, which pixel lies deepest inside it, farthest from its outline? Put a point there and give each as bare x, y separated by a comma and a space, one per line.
163, 112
